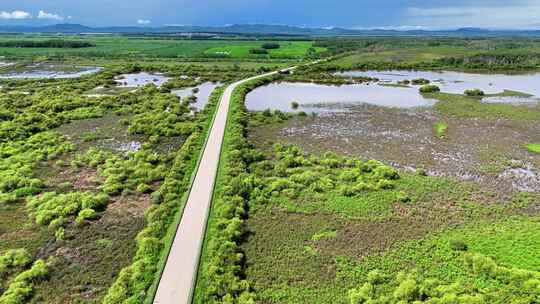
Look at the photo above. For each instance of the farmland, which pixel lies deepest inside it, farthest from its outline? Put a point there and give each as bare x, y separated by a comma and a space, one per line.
155, 48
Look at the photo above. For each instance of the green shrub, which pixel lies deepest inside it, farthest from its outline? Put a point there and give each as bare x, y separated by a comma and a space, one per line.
84, 215
458, 245
420, 81
22, 286
12, 259
429, 89
511, 285
270, 46
260, 51
474, 93
441, 129
52, 209
535, 148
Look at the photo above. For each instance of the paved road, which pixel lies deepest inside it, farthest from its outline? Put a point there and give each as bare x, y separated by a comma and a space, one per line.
178, 279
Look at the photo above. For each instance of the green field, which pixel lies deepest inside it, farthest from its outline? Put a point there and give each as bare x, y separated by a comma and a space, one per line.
295, 49
110, 46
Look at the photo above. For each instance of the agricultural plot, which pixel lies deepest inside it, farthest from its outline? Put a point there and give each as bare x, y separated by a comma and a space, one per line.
159, 48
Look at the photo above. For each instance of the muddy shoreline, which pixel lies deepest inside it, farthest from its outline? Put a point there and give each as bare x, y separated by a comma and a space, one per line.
488, 152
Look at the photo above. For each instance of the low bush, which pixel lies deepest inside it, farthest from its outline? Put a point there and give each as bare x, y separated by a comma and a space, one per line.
503, 285
441, 129
22, 286
429, 89
13, 258
258, 51
52, 209
271, 46
420, 81
474, 93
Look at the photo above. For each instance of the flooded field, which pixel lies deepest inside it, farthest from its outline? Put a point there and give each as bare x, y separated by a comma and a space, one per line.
141, 79
202, 92
324, 98
458, 82
49, 71
491, 153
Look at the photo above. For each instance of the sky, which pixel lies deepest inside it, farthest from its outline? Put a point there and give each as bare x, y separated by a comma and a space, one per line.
360, 14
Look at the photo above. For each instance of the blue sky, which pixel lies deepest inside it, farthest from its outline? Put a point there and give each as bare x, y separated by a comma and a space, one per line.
430, 14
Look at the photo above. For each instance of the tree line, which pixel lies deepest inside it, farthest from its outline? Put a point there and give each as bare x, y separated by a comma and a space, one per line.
56, 44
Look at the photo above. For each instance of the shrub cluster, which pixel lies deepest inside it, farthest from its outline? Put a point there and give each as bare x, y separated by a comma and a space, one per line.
133, 171
18, 159
420, 81
22, 286
57, 44
474, 92
157, 113
54, 210
270, 46
506, 285
260, 51
292, 172
430, 88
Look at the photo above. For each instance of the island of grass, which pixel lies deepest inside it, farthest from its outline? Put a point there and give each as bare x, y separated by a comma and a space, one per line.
441, 129
534, 148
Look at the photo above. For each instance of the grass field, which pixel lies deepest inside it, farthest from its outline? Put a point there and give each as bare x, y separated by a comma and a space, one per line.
295, 49
409, 55
111, 46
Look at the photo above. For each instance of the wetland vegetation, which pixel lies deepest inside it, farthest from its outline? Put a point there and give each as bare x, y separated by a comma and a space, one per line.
384, 195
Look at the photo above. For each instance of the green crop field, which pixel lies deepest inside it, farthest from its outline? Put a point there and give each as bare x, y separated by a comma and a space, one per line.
296, 49
164, 48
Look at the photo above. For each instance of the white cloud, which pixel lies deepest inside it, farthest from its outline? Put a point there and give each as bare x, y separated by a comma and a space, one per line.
44, 15
143, 21
494, 16
15, 15
441, 12
393, 28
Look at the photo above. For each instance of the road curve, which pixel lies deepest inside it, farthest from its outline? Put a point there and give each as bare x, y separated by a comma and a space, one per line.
178, 279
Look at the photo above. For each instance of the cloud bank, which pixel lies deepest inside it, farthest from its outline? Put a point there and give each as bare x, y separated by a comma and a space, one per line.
15, 15
44, 15
143, 22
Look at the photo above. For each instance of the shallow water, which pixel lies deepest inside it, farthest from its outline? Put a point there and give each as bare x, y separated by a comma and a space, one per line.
458, 82
205, 90
140, 79
51, 72
324, 98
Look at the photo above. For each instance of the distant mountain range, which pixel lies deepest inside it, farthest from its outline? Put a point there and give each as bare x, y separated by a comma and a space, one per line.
262, 29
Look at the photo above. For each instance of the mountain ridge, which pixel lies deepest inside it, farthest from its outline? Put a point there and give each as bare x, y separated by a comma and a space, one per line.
263, 29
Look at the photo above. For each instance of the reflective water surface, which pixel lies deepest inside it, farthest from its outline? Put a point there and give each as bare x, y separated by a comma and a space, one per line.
203, 94
323, 98
140, 79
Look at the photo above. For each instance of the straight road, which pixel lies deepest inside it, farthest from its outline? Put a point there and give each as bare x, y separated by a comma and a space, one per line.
178, 279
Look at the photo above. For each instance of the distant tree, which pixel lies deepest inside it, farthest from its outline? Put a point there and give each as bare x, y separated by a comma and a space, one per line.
474, 92
271, 46
258, 51
57, 43
430, 89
